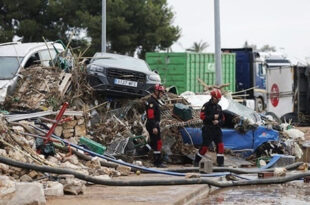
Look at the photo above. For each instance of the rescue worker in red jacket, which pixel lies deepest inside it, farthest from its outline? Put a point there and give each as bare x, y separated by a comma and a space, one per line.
152, 124
213, 118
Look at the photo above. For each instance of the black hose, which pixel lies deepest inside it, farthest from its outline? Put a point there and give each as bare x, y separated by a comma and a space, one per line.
95, 180
234, 170
255, 170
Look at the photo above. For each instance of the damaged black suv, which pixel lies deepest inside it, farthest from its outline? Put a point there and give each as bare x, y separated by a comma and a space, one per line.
121, 75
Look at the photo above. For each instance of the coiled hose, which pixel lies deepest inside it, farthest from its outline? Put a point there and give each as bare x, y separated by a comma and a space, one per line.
156, 182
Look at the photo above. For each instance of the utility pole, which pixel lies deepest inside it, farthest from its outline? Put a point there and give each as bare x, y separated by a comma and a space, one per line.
218, 56
104, 27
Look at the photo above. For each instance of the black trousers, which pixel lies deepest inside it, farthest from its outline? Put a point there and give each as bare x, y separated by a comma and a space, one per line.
209, 134
155, 139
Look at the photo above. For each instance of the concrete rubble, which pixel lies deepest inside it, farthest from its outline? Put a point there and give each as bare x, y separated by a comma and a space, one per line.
42, 91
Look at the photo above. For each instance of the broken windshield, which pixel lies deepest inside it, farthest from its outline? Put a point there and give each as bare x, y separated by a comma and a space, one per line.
243, 111
8, 67
120, 61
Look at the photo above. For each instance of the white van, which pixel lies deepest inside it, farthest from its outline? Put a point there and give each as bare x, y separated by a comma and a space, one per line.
16, 55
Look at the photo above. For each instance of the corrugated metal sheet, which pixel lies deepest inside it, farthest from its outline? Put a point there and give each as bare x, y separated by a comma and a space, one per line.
183, 69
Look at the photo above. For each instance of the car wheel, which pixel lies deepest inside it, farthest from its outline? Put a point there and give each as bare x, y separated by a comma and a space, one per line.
259, 105
293, 117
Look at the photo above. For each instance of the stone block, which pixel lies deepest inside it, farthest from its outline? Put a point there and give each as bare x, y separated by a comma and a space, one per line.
28, 193
54, 189
70, 124
67, 133
80, 130
25, 178
124, 170
81, 121
72, 159
205, 166
58, 131
33, 174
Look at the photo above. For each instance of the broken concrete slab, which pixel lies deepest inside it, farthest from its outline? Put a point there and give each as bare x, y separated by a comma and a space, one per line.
25, 178
124, 170
72, 159
68, 133
28, 193
7, 188
80, 130
58, 130
103, 177
69, 165
33, 174
72, 185
81, 121
4, 168
3, 152
70, 124
206, 166
54, 189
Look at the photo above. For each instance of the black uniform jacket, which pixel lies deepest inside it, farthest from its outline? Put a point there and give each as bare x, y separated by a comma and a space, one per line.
208, 110
152, 112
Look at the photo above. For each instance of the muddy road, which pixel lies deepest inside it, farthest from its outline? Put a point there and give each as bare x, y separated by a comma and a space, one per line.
293, 193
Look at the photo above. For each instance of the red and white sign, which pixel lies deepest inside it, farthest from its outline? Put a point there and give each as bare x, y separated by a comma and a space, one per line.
279, 84
274, 95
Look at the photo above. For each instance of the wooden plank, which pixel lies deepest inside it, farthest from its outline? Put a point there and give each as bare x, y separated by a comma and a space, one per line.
17, 117
64, 83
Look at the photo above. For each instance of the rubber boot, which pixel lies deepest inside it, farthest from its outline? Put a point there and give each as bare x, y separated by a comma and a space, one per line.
197, 160
158, 162
220, 160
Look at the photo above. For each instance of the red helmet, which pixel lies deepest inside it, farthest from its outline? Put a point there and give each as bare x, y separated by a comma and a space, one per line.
159, 87
216, 93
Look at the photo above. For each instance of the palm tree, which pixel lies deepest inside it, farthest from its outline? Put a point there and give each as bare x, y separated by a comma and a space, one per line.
247, 45
268, 48
198, 47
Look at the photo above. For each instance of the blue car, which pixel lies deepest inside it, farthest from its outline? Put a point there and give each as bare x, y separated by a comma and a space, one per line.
233, 139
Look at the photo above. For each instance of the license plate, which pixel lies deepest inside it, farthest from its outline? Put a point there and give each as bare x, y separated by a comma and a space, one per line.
125, 82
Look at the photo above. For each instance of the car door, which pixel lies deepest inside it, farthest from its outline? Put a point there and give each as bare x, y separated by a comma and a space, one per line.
33, 59
46, 56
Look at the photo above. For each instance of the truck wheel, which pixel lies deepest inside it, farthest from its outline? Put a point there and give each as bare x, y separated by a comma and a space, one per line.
259, 105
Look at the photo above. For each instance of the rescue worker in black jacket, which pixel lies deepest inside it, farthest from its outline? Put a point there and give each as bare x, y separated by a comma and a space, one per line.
213, 118
152, 124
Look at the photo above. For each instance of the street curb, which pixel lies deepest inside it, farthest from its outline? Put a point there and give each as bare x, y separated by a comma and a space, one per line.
191, 197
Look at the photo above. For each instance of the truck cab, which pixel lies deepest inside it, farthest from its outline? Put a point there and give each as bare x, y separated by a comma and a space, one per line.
263, 63
263, 77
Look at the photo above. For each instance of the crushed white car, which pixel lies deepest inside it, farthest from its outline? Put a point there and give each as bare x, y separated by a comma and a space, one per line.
15, 56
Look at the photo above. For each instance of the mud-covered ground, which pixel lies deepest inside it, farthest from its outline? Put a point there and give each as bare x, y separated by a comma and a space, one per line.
293, 193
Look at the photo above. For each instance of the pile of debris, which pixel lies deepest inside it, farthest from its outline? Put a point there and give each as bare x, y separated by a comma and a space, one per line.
39, 89
18, 141
128, 122
41, 92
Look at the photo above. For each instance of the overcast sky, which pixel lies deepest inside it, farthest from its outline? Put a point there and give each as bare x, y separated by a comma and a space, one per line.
284, 24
